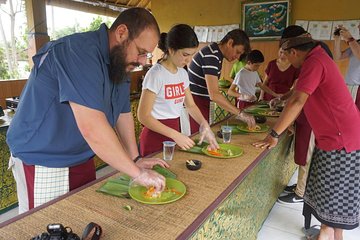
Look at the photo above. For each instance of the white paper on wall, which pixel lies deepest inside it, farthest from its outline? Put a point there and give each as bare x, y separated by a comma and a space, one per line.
351, 25
320, 30
201, 33
303, 23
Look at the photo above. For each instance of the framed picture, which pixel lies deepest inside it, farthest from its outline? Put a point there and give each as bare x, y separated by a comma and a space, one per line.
265, 19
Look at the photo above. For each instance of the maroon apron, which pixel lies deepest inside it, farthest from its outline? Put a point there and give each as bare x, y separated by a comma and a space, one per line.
243, 104
151, 141
302, 139
203, 103
357, 101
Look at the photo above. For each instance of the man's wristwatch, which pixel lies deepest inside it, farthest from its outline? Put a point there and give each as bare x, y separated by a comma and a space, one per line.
274, 134
350, 40
137, 158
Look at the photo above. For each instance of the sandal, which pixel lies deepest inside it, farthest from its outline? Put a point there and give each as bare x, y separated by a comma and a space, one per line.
311, 233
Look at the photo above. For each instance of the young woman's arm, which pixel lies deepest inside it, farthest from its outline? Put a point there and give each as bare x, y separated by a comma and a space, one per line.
194, 111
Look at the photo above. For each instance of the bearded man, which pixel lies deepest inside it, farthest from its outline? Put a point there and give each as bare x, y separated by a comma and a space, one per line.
77, 93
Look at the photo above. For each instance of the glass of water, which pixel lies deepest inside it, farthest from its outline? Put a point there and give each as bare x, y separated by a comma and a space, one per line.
168, 150
226, 133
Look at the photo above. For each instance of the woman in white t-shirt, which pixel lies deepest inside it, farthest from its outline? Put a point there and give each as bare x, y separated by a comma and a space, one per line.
164, 92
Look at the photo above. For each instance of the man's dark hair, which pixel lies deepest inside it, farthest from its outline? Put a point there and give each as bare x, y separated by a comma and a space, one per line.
239, 37
255, 56
136, 20
294, 31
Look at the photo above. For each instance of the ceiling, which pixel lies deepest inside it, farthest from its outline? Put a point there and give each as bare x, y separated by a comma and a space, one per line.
103, 7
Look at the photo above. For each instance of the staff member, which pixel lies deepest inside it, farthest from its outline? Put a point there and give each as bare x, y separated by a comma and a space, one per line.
204, 72
76, 95
352, 77
166, 90
333, 188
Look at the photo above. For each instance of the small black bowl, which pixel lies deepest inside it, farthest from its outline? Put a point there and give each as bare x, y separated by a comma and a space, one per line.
260, 119
219, 134
192, 167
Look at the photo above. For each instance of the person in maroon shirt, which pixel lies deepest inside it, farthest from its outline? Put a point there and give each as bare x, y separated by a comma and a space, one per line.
332, 193
280, 76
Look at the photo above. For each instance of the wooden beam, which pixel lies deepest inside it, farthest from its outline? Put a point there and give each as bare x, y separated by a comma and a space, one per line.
86, 7
36, 22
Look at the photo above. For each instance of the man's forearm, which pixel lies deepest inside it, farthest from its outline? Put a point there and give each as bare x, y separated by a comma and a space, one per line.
220, 100
125, 128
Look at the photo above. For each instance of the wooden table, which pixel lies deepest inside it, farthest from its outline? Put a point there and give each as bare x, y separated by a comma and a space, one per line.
225, 199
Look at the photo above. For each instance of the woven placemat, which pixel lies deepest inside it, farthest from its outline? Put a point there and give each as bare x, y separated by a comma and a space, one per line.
145, 221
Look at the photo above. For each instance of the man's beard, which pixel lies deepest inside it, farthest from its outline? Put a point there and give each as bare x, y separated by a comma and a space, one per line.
118, 63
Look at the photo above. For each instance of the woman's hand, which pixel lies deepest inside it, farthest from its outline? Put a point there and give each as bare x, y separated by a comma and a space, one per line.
184, 142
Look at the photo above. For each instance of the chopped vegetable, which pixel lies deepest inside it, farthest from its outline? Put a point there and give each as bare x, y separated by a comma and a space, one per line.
152, 193
191, 162
229, 152
214, 152
128, 207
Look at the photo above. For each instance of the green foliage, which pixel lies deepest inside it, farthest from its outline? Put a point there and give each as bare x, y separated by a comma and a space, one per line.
3, 66
94, 25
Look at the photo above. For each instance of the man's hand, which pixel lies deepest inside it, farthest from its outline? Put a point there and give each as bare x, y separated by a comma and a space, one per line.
148, 163
268, 142
247, 118
149, 178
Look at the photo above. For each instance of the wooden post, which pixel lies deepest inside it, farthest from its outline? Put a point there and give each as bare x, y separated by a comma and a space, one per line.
37, 27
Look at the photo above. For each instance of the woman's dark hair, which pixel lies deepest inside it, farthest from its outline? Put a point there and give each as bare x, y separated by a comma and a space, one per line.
239, 37
294, 31
180, 36
255, 56
136, 20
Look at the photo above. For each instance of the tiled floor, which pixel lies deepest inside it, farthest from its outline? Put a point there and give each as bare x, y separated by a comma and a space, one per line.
283, 223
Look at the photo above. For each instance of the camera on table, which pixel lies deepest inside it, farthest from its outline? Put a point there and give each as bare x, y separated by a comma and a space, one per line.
57, 232
337, 31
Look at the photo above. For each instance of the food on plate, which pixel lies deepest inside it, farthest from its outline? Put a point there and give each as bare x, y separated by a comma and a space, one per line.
221, 152
255, 128
152, 193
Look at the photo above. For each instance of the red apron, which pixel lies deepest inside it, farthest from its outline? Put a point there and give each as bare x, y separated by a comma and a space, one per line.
302, 139
242, 104
151, 141
203, 104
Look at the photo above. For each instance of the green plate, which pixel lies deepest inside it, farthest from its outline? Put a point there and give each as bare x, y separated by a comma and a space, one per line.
138, 193
224, 147
235, 129
197, 148
244, 127
269, 113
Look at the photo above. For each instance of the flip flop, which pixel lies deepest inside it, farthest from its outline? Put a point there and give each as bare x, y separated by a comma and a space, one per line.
312, 233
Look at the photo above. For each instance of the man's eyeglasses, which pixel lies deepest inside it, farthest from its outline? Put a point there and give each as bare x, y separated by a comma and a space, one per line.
142, 53
146, 55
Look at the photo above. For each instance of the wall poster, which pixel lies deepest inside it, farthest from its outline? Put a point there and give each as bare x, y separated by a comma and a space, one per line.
265, 19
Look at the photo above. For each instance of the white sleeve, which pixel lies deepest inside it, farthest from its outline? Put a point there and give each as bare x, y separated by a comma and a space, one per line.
152, 81
237, 79
258, 80
185, 78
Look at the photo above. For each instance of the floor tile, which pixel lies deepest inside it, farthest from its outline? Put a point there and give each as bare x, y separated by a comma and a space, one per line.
269, 233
